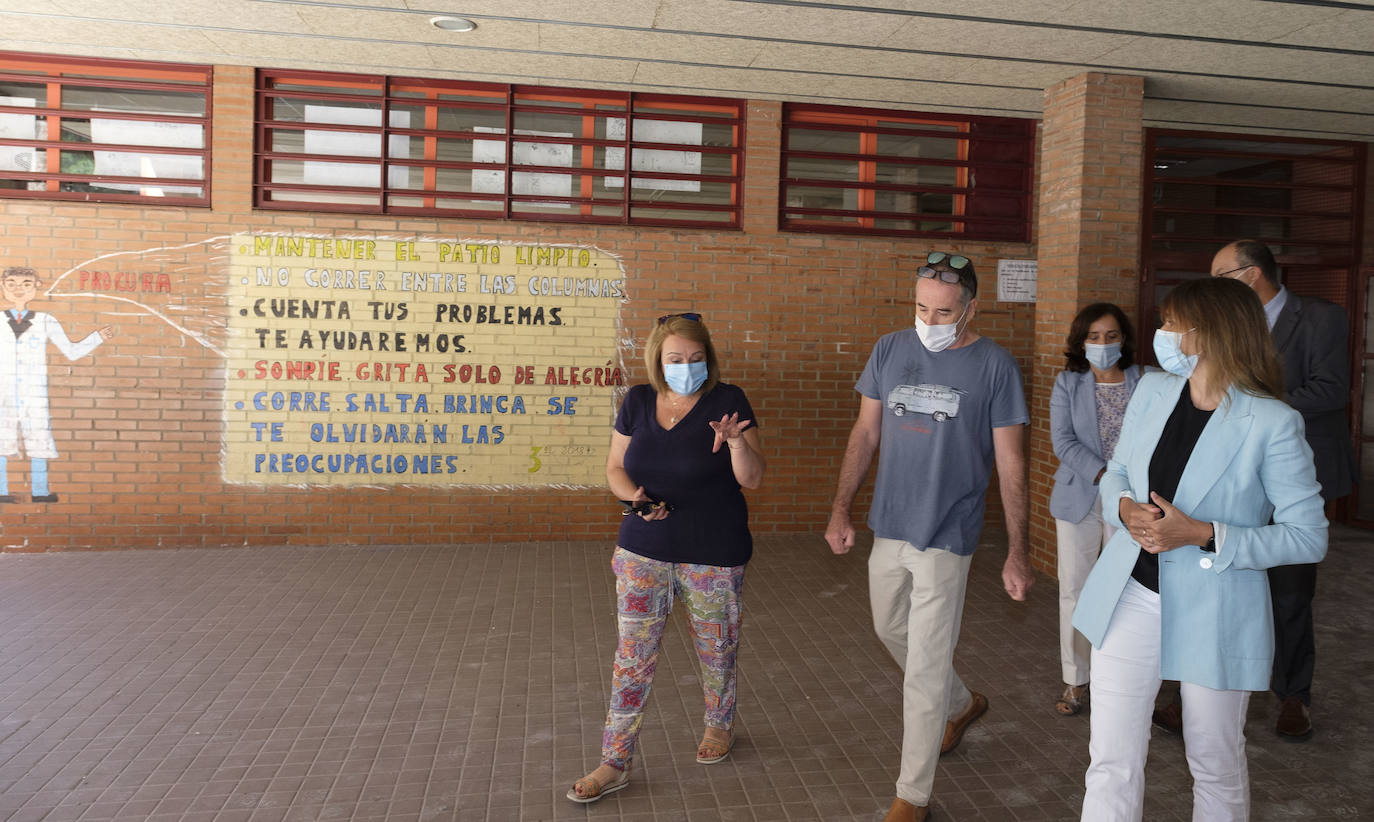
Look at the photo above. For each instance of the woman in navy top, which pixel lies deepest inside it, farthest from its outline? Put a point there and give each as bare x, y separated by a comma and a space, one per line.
682, 448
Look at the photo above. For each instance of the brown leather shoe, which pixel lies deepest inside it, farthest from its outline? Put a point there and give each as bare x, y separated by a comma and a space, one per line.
1169, 718
954, 728
1295, 722
904, 811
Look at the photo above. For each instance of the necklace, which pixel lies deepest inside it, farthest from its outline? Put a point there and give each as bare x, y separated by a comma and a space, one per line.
675, 410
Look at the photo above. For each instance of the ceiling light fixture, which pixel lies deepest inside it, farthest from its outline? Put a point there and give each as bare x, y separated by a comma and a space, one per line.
455, 24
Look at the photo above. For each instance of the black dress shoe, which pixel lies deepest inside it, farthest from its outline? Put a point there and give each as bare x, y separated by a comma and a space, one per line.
45, 498
1295, 721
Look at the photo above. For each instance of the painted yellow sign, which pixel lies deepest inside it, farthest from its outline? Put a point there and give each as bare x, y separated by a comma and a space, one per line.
368, 361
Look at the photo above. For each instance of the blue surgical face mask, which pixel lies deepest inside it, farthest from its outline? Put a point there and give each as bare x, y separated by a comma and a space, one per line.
1169, 351
684, 377
1103, 357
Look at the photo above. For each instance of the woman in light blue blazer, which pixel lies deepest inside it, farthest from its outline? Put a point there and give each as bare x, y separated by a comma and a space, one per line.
1086, 411
1211, 483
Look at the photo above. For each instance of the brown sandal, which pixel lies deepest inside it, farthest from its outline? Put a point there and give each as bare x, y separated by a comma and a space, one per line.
713, 750
1072, 701
592, 790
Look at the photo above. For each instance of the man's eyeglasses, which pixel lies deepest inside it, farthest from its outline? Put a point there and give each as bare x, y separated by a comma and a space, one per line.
696, 318
953, 273
1232, 271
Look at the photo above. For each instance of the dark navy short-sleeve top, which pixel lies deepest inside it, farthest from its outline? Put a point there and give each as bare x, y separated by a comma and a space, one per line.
709, 523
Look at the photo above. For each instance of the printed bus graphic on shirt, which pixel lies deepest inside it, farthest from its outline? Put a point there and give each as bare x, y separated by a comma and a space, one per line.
939, 401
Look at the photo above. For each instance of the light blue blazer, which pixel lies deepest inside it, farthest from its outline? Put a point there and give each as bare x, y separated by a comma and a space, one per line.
1251, 466
1077, 443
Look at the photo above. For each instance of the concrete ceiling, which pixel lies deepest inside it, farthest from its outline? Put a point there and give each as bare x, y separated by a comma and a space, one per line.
1296, 67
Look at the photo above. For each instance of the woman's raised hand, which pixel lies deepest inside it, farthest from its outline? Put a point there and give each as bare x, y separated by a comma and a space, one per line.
729, 429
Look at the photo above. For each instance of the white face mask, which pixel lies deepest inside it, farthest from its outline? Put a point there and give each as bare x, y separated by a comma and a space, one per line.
938, 337
1240, 276
1103, 357
1169, 352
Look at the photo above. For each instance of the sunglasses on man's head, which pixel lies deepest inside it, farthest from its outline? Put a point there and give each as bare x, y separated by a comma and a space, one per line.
954, 263
946, 276
696, 318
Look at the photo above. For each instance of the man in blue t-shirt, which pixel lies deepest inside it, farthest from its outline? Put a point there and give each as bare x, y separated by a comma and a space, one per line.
945, 403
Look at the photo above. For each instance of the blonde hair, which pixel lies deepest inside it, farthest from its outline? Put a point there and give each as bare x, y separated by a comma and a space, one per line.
677, 325
1232, 333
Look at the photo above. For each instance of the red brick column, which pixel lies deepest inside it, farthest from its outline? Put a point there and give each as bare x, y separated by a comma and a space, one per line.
763, 157
1088, 249
232, 178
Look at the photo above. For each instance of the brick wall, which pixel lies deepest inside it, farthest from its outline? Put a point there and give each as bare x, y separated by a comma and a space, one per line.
1089, 224
139, 422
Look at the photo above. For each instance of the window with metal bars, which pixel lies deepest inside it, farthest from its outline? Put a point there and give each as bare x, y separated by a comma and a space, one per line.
901, 173
399, 145
1203, 190
1302, 198
110, 131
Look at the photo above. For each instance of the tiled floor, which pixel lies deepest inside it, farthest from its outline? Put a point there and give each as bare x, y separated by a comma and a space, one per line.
469, 683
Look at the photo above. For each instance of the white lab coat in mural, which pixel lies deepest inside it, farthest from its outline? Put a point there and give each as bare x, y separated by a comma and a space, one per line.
24, 381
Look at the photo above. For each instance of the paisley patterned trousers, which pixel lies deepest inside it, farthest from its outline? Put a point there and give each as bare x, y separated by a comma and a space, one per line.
645, 589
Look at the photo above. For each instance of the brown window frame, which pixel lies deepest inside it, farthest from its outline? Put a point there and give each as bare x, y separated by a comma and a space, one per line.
56, 73
1362, 366
510, 101
976, 134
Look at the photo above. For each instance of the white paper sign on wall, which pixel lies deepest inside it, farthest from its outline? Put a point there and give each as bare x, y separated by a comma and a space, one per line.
1016, 281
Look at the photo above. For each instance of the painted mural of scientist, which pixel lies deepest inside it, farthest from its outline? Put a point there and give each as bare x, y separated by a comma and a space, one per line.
24, 419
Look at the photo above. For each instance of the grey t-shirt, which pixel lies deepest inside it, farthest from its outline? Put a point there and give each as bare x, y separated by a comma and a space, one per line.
936, 452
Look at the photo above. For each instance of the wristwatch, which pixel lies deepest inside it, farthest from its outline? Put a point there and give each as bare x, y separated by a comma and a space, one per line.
1211, 546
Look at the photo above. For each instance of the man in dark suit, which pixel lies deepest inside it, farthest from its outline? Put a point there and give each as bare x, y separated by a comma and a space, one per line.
1312, 338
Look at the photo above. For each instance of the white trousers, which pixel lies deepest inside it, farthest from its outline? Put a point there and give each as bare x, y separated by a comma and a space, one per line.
1080, 543
1126, 678
918, 602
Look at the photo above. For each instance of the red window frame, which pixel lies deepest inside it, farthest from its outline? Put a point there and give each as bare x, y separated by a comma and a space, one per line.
55, 73
999, 150
1316, 257
510, 101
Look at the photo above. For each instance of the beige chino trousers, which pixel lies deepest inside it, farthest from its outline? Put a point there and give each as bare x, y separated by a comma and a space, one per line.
918, 602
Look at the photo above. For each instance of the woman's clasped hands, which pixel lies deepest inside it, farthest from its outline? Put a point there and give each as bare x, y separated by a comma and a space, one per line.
1158, 526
